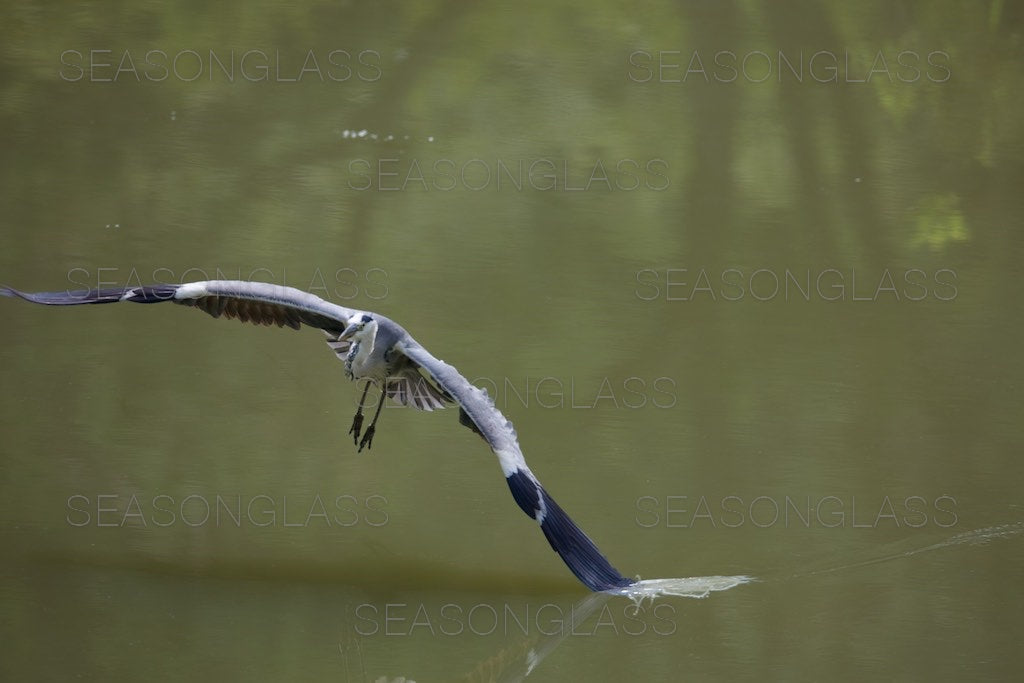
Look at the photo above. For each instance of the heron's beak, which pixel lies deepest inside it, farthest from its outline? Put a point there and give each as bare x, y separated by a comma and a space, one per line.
349, 331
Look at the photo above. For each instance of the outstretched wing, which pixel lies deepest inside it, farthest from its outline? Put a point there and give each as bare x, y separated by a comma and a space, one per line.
260, 303
479, 413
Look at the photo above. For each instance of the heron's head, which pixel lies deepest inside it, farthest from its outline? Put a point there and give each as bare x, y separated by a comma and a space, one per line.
361, 327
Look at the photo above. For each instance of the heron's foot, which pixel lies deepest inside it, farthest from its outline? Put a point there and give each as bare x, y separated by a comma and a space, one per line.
357, 426
367, 440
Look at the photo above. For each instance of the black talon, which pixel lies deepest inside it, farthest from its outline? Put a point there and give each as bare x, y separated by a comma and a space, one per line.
357, 426
367, 438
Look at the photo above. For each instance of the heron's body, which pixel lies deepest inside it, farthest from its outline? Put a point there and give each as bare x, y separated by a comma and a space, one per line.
372, 354
378, 350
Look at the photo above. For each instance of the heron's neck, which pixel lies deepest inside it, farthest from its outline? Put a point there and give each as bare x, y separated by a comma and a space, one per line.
363, 348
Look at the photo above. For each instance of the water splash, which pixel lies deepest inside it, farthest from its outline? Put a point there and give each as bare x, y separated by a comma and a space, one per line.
690, 587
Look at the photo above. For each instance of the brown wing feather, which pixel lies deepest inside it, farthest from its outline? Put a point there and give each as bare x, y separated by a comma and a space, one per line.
256, 312
412, 389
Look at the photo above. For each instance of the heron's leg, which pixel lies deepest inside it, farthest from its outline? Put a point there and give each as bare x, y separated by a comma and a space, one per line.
357, 421
367, 439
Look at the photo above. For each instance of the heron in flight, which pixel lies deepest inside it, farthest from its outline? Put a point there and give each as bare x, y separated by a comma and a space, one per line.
380, 351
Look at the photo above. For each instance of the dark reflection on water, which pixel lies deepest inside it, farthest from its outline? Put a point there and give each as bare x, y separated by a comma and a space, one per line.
374, 629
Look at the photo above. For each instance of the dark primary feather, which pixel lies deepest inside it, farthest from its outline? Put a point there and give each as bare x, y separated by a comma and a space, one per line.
575, 548
578, 552
144, 295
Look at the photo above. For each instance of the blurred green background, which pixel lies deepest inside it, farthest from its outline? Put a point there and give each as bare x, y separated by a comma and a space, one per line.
745, 277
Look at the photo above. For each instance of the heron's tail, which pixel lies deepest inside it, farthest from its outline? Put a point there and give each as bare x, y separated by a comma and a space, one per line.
144, 295
579, 553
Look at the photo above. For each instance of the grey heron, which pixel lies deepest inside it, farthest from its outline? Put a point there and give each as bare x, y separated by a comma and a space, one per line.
380, 351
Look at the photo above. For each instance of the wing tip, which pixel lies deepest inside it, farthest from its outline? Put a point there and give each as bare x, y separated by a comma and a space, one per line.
577, 551
147, 294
